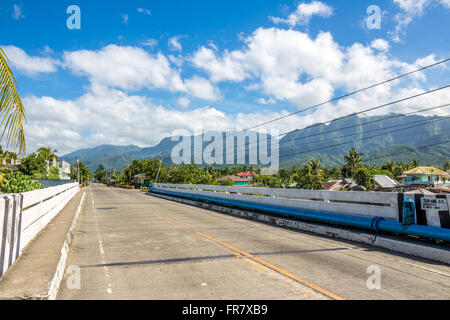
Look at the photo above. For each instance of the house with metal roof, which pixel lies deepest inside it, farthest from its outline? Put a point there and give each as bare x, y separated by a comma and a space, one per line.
425, 177
384, 183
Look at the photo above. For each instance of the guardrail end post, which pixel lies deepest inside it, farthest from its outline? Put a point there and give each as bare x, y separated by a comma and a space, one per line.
408, 212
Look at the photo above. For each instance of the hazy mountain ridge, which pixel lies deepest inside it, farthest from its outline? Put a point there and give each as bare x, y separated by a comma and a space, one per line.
298, 147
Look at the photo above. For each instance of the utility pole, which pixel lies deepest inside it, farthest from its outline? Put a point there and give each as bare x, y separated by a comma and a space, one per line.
78, 170
160, 163
131, 171
167, 173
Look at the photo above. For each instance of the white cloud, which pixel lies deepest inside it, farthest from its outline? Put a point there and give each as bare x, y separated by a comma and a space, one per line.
266, 101
20, 60
108, 116
132, 68
144, 11
174, 44
128, 68
134, 119
178, 61
47, 50
17, 12
202, 88
304, 13
212, 45
229, 67
445, 3
410, 10
278, 58
150, 42
289, 65
413, 6
183, 102
380, 44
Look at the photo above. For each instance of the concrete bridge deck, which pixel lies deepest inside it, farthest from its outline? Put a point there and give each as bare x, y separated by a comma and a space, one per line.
130, 245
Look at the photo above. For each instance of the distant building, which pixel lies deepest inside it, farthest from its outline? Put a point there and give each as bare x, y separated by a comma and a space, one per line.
384, 183
331, 185
142, 180
64, 171
249, 175
336, 185
63, 167
239, 181
423, 177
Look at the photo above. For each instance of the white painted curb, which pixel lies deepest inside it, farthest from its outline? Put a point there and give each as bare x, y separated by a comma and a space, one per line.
405, 247
56, 281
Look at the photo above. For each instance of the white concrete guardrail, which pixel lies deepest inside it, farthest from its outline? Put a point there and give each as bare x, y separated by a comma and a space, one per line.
24, 215
431, 210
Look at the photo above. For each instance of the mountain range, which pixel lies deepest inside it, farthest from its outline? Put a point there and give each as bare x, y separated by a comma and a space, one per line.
380, 138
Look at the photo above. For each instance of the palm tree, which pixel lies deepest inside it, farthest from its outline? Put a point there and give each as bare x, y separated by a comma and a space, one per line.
315, 174
353, 160
414, 164
311, 176
12, 112
48, 153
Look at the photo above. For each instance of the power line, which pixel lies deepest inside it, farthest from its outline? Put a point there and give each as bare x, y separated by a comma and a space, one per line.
365, 123
397, 153
349, 94
366, 138
347, 116
364, 111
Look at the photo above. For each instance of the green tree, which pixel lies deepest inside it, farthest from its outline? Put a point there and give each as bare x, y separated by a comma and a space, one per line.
311, 176
447, 165
85, 173
364, 177
100, 174
353, 161
11, 107
17, 182
53, 173
414, 164
333, 173
48, 153
228, 183
34, 165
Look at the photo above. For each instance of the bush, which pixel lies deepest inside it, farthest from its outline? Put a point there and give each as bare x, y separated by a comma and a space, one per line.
228, 182
17, 182
5, 170
53, 173
363, 177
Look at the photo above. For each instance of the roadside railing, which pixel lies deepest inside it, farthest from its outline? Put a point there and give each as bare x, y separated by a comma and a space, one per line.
23, 216
430, 210
381, 204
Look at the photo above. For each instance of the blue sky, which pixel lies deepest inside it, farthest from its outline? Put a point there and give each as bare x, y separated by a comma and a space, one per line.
137, 71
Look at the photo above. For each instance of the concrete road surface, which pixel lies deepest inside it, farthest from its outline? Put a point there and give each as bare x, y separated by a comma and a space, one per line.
129, 245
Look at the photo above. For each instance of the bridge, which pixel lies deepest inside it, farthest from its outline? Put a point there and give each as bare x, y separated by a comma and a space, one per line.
111, 243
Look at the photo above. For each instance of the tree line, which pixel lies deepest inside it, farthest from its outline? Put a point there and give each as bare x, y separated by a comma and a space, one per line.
34, 167
309, 176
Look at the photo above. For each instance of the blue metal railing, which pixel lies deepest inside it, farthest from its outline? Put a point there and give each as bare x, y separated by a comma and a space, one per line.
375, 224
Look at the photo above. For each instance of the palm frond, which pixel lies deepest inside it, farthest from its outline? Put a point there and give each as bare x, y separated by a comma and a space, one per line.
12, 112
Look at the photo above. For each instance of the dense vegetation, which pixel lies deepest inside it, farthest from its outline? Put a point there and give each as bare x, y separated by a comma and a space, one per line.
309, 176
34, 167
17, 182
